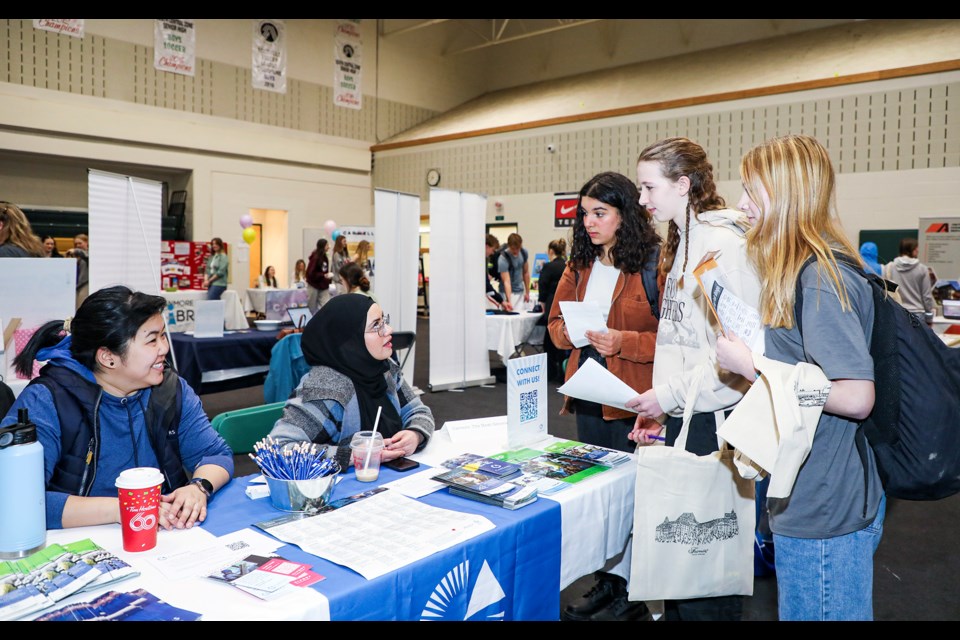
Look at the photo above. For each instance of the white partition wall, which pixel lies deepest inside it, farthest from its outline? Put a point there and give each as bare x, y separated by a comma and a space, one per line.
124, 231
458, 351
397, 254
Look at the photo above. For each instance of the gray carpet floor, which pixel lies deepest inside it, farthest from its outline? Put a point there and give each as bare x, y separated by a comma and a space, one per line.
916, 569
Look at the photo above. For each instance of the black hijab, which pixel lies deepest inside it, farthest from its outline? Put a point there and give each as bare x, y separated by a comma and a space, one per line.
335, 338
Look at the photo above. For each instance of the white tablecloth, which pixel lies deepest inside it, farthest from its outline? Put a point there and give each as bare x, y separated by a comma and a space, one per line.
596, 515
505, 333
182, 301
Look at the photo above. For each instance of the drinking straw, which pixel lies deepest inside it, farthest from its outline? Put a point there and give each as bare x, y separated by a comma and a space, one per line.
366, 462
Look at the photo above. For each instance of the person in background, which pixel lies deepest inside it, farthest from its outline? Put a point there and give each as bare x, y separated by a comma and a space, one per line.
362, 256
353, 280
268, 279
50, 247
869, 253
677, 187
913, 280
299, 278
613, 239
492, 275
80, 253
514, 269
16, 236
826, 533
348, 347
216, 272
106, 402
318, 277
339, 256
549, 279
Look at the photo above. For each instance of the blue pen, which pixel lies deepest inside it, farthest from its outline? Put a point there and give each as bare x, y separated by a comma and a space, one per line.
660, 438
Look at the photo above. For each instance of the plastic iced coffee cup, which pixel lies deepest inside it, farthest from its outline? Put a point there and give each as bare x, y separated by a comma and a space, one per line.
366, 447
139, 493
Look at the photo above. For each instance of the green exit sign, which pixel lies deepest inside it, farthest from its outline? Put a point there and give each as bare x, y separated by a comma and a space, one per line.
498, 218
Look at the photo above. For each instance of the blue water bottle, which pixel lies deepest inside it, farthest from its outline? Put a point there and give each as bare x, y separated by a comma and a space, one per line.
23, 520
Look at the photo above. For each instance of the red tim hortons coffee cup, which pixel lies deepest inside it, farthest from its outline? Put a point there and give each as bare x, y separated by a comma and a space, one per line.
139, 493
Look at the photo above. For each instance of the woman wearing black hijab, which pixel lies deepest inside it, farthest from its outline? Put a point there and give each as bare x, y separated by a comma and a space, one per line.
348, 345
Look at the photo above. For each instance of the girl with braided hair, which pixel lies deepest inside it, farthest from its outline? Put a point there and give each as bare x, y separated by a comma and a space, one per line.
677, 186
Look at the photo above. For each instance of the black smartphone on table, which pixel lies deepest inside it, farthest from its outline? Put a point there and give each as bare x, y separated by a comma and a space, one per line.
401, 464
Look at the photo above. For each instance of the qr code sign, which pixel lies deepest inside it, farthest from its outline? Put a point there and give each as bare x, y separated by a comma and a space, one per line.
528, 406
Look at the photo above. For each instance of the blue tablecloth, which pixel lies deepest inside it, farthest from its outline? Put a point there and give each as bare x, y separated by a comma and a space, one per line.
234, 350
521, 556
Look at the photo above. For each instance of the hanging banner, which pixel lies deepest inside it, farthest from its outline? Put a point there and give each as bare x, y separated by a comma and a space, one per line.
526, 400
174, 46
269, 56
69, 27
940, 246
347, 60
565, 209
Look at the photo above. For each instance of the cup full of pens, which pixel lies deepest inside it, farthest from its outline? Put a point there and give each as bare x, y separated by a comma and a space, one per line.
299, 475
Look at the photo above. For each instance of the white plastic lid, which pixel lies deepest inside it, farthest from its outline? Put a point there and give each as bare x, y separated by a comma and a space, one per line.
139, 478
364, 439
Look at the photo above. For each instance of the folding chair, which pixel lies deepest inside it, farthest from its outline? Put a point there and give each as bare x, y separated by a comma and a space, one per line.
403, 341
243, 428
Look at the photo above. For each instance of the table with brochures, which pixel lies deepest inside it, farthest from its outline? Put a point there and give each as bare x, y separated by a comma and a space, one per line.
514, 571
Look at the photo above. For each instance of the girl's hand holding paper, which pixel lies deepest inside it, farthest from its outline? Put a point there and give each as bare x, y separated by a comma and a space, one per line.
580, 317
735, 356
607, 343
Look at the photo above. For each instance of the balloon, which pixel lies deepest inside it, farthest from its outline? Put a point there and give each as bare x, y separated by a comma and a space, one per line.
246, 220
249, 235
329, 227
335, 235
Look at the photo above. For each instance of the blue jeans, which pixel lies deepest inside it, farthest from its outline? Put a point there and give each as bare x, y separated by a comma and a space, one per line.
828, 579
215, 291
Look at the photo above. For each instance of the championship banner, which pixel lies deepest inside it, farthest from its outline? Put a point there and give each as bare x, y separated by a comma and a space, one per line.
66, 26
526, 400
564, 209
348, 49
269, 56
174, 46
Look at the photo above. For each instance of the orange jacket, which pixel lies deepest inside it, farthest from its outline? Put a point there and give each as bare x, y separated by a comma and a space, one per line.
630, 314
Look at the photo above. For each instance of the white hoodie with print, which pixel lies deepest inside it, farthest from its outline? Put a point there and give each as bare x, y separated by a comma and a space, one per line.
687, 334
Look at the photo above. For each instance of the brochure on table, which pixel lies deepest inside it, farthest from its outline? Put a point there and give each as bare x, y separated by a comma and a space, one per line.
526, 400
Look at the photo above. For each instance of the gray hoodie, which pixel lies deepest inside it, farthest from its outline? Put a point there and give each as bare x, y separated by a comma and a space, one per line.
916, 290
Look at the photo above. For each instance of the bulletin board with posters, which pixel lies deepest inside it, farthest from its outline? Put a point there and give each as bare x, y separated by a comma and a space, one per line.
182, 264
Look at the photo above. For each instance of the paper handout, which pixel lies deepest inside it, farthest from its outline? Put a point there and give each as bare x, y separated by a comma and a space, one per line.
581, 317
731, 312
594, 383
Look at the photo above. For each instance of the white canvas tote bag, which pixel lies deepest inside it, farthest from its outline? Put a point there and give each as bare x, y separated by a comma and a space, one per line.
694, 522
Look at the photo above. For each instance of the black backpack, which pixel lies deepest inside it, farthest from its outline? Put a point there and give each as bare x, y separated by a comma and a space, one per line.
914, 428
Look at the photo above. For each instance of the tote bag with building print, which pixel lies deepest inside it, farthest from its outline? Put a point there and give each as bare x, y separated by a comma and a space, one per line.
693, 527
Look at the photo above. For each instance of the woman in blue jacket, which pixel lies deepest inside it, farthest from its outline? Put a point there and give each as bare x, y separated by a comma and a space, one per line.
106, 402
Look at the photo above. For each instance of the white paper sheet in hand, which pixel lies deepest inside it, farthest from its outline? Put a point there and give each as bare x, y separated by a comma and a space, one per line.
594, 383
581, 317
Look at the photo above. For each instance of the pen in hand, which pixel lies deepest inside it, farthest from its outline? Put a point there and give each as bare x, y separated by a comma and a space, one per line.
660, 438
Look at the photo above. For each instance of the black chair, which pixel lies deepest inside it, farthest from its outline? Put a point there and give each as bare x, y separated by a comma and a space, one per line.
403, 341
